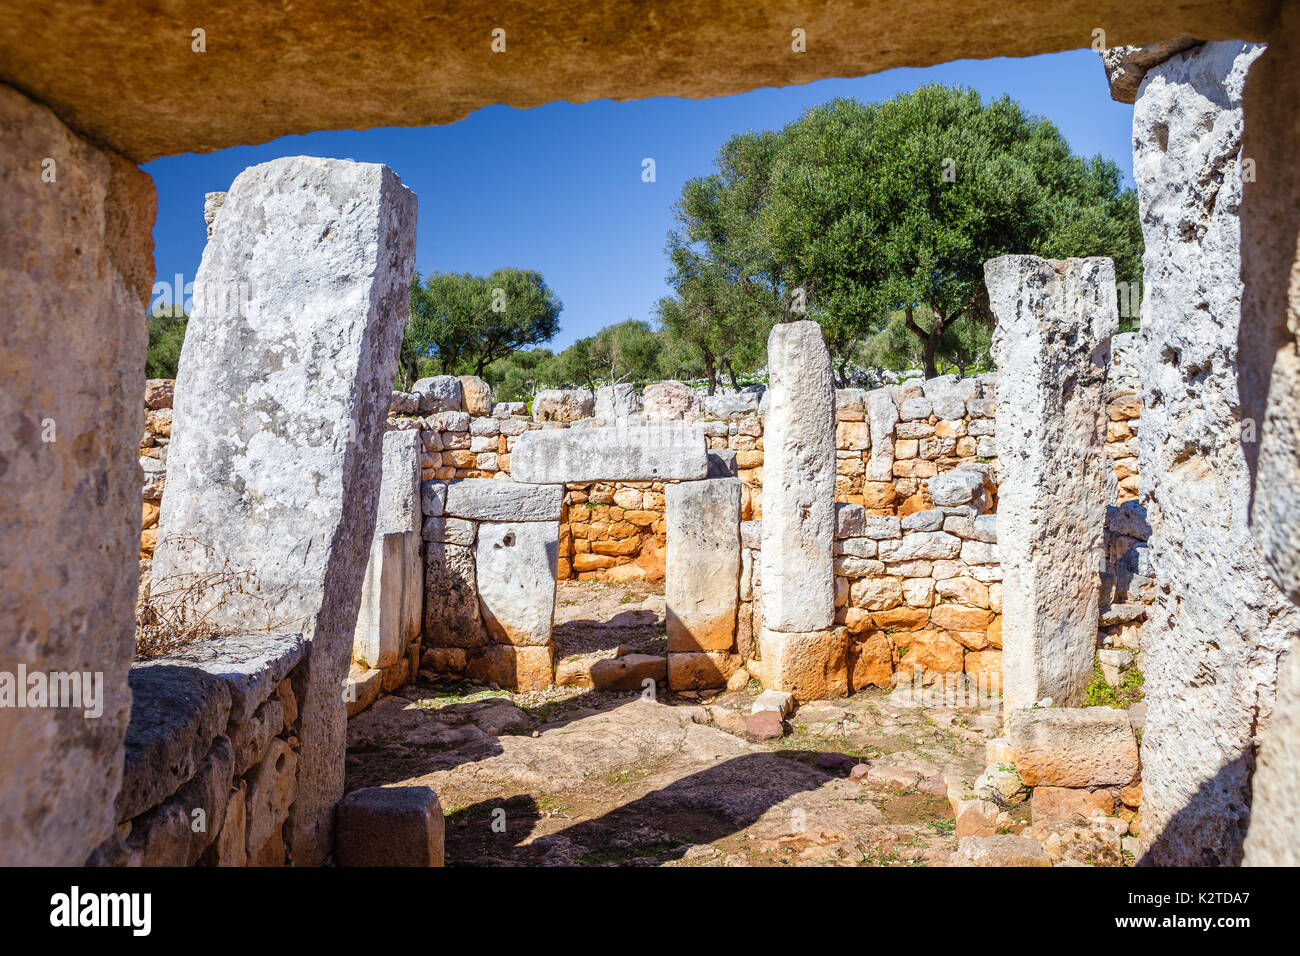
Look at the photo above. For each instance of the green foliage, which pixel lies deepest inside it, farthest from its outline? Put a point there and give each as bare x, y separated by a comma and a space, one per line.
515, 377
461, 323
166, 336
1100, 693
882, 216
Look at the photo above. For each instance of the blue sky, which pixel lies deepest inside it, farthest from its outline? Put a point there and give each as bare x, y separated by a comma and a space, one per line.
558, 188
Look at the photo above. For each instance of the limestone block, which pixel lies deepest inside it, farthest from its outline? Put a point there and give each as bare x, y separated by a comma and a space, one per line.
850, 520
392, 596
250, 738
284, 384
659, 452
439, 393
1073, 746
487, 499
79, 248
669, 401
799, 481
1126, 66
476, 395
920, 545
1218, 627
451, 606
1000, 849
809, 664
882, 413
929, 520
1055, 321
515, 563
446, 530
563, 405
516, 668
272, 787
701, 588
729, 406
176, 714
433, 498
1274, 837
390, 826
956, 488
230, 847
701, 670
616, 401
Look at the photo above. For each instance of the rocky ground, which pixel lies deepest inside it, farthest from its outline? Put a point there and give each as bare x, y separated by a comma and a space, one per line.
573, 776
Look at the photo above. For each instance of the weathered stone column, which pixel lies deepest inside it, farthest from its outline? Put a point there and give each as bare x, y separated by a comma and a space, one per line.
1269, 376
284, 383
76, 264
1212, 640
392, 594
802, 649
1055, 320
702, 583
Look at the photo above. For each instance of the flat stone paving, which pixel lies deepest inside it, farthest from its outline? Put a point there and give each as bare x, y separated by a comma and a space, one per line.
570, 776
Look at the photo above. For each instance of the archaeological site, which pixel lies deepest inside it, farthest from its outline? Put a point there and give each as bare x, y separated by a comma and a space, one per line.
314, 596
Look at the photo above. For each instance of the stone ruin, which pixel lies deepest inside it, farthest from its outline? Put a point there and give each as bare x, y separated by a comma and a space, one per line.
1097, 512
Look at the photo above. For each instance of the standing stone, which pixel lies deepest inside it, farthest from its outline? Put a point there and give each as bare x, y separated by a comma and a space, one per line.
285, 379
212, 203
78, 249
451, 609
616, 401
516, 579
1274, 837
882, 415
392, 593
1212, 639
799, 482
701, 589
1055, 320
390, 826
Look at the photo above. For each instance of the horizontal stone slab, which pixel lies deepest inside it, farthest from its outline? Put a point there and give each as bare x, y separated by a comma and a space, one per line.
490, 499
661, 452
251, 664
1073, 746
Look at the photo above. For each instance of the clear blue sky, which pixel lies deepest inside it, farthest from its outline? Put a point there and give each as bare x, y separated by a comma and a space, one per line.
558, 188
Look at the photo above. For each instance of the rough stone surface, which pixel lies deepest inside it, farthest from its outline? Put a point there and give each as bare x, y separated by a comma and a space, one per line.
701, 587
390, 826
563, 405
799, 482
1274, 837
392, 592
882, 414
476, 395
660, 452
1126, 66
438, 393
70, 423
176, 714
669, 401
516, 579
616, 401
1073, 746
1214, 635
1000, 850
1055, 320
810, 665
284, 385
451, 608
486, 499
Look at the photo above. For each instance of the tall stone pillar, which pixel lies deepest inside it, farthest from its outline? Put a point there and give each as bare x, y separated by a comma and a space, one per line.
702, 585
76, 264
1055, 320
802, 649
1213, 638
284, 384
1269, 376
392, 593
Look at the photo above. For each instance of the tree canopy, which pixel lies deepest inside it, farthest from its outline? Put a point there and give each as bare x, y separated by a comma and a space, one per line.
862, 215
461, 322
166, 335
